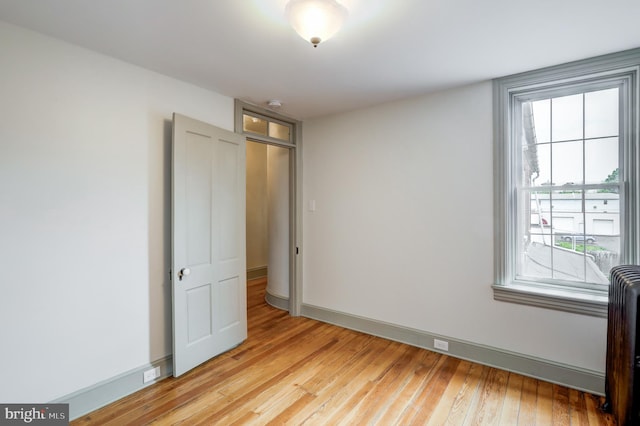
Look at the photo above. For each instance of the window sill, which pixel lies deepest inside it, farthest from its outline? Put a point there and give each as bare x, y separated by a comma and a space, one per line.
585, 303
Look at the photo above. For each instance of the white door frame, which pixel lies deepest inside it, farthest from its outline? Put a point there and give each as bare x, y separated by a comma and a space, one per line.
295, 193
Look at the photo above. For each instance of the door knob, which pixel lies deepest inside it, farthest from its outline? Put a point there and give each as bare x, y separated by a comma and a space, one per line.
183, 273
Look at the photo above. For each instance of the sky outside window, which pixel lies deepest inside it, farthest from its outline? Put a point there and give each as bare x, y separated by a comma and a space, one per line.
572, 131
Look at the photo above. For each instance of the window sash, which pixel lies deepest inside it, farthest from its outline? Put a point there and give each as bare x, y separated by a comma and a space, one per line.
517, 163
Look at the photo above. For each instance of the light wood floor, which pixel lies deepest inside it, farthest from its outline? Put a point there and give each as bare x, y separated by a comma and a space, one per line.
300, 371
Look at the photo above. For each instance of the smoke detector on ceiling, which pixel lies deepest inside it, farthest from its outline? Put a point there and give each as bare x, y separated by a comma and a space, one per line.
274, 103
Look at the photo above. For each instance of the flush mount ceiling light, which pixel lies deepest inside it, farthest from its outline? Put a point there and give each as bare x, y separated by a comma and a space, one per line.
316, 20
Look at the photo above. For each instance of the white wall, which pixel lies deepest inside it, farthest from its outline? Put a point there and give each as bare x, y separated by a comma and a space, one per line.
84, 205
278, 194
403, 227
257, 206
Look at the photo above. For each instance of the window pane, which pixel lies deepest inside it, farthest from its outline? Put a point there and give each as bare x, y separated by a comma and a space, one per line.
534, 252
254, 125
602, 229
568, 235
566, 113
279, 131
542, 120
586, 240
544, 165
540, 211
602, 223
566, 212
536, 157
601, 113
567, 222
566, 158
601, 160
536, 260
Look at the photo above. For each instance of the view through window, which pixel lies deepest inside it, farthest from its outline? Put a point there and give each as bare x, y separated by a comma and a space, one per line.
568, 188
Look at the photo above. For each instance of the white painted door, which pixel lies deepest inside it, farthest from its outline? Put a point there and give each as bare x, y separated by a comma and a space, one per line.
208, 257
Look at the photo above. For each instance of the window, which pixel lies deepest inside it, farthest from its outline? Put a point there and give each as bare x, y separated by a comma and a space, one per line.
264, 126
566, 181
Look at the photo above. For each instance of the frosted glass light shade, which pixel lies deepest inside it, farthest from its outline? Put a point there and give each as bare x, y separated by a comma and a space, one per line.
316, 20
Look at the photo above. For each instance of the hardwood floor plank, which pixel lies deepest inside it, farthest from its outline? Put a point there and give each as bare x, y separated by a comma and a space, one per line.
475, 399
345, 408
338, 389
431, 394
423, 370
464, 400
257, 374
298, 371
240, 398
455, 386
544, 406
597, 417
285, 417
492, 397
226, 371
271, 403
511, 406
386, 387
561, 408
290, 389
528, 402
185, 411
340, 362
578, 408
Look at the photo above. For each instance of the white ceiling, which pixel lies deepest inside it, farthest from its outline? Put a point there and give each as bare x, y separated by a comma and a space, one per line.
388, 49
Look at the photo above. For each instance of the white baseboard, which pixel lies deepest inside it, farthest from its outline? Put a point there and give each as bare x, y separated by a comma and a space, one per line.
277, 301
90, 399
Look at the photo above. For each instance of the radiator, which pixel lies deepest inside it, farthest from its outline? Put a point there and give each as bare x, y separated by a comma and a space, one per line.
622, 385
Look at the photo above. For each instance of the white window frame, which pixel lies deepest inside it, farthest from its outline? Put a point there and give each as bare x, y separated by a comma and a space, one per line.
622, 67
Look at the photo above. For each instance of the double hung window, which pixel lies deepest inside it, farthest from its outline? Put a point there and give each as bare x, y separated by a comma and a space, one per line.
566, 181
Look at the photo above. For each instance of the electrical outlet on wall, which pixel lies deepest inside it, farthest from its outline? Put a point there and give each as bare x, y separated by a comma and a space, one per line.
150, 375
441, 344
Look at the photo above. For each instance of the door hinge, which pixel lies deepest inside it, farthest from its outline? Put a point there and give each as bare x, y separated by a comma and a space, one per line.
170, 275
297, 250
